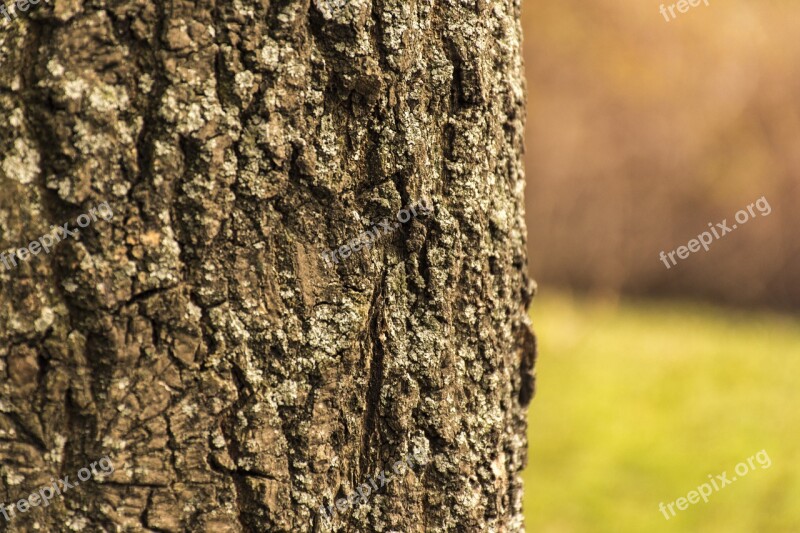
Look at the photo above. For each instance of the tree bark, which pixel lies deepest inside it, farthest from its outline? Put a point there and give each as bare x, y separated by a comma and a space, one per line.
237, 379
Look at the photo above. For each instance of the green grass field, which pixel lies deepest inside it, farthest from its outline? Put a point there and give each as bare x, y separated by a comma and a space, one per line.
637, 403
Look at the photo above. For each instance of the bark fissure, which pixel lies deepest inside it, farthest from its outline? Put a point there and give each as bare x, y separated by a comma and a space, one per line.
374, 355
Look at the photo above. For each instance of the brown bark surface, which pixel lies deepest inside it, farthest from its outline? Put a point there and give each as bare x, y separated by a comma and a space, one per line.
237, 381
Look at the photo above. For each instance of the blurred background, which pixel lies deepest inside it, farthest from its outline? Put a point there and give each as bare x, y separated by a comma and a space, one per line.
640, 132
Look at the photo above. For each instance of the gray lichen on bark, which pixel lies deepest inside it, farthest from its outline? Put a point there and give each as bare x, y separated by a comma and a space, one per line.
236, 379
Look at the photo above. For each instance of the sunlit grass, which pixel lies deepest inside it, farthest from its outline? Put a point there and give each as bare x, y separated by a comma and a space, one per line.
638, 403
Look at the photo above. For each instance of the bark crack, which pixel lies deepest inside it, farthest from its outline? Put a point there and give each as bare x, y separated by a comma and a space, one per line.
376, 374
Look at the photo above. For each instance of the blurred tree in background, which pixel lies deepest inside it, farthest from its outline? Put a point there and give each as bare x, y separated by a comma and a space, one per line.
643, 131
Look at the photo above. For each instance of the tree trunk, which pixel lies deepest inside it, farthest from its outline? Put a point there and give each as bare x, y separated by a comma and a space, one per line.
308, 265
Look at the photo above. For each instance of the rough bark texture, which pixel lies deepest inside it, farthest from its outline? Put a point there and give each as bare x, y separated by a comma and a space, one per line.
237, 381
